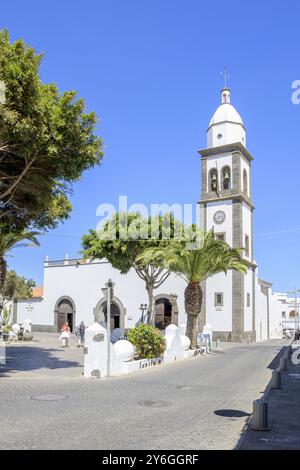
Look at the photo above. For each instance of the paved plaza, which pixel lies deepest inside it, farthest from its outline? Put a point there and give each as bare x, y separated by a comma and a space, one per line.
43, 358
200, 403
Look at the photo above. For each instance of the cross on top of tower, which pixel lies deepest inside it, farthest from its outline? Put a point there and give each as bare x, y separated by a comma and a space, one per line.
225, 92
226, 76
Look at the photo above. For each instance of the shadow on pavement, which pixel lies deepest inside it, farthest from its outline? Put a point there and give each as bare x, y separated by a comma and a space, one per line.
274, 364
27, 358
231, 413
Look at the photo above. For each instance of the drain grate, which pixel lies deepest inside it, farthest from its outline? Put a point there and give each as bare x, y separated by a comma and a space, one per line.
155, 404
49, 397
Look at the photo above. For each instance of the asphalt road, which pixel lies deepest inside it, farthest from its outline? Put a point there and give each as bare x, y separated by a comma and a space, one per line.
200, 403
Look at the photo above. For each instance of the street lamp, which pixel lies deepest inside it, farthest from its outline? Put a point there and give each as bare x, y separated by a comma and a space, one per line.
143, 307
173, 302
108, 292
173, 299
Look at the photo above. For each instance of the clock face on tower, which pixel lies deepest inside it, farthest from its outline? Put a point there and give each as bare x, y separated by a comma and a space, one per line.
219, 217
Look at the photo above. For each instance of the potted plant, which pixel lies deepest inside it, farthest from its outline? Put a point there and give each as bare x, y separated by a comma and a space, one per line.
6, 330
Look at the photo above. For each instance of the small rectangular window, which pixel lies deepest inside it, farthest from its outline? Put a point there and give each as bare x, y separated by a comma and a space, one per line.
220, 236
218, 299
247, 245
283, 314
248, 300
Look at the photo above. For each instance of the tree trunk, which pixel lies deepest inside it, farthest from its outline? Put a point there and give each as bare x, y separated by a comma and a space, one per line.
191, 330
150, 311
193, 303
2, 272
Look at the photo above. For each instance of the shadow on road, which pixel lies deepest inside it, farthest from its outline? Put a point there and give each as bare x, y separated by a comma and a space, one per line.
274, 364
231, 413
260, 440
27, 358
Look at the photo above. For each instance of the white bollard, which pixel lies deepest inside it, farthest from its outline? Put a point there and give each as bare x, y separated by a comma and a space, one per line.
259, 420
95, 351
174, 347
217, 344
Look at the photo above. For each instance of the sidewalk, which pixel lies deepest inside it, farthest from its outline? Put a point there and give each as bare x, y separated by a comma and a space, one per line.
283, 415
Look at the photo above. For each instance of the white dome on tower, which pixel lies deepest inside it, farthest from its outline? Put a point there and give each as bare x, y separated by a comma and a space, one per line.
226, 126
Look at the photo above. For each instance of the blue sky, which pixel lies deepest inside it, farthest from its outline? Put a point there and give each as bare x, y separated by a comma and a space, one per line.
151, 71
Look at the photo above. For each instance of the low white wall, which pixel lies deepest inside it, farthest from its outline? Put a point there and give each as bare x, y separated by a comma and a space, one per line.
33, 310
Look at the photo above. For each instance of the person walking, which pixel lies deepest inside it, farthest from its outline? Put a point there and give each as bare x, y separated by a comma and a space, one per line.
65, 333
80, 332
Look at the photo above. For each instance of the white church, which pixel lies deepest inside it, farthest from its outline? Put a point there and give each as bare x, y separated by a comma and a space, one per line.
239, 307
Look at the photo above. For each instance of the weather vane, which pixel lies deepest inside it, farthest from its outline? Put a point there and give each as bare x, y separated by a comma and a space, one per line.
225, 75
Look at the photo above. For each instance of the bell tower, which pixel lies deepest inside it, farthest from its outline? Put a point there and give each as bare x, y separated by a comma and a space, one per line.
226, 207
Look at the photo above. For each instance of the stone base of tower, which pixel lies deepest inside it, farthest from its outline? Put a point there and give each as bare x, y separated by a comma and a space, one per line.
235, 336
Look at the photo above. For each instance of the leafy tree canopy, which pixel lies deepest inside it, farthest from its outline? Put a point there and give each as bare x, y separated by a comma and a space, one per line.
16, 287
124, 237
46, 141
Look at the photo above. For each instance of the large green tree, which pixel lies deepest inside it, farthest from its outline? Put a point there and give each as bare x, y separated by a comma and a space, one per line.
126, 236
15, 287
195, 263
46, 141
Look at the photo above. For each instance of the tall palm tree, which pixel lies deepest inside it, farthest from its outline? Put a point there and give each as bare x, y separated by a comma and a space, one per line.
195, 263
10, 240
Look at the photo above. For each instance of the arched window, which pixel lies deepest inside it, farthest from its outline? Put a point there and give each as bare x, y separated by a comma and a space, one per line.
226, 177
213, 179
245, 183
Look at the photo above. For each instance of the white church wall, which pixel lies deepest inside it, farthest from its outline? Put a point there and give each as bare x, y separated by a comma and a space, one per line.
248, 309
219, 317
224, 133
226, 226
261, 316
245, 166
247, 230
83, 284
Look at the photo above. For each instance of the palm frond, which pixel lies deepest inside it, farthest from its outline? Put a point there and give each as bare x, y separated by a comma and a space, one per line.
208, 257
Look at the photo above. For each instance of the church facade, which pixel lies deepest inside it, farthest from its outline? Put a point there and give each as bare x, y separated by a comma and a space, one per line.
239, 307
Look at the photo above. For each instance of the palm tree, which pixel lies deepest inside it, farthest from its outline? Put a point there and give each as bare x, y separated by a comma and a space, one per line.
195, 263
10, 240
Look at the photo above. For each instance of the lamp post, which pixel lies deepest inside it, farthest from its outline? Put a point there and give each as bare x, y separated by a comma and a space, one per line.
108, 292
173, 302
143, 307
173, 299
